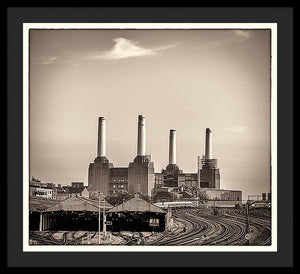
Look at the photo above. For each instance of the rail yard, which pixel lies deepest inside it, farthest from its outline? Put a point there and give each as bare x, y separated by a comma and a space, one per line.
190, 227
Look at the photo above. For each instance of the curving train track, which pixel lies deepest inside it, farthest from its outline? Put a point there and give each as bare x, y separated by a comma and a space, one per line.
207, 229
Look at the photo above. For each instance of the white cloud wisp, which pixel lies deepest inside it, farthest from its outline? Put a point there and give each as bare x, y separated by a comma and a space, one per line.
237, 36
124, 48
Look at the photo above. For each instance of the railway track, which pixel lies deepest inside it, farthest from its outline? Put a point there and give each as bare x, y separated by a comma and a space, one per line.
219, 232
228, 229
260, 221
194, 234
167, 236
232, 234
202, 228
44, 238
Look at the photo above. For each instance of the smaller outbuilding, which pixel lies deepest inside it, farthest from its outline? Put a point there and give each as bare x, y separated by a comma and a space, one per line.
74, 213
136, 214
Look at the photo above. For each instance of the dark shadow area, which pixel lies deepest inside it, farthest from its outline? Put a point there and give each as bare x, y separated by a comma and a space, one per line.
66, 221
136, 221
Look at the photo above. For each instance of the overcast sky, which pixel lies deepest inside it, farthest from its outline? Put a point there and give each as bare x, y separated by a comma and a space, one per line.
179, 79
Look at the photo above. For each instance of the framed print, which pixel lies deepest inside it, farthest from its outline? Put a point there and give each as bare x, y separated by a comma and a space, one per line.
153, 138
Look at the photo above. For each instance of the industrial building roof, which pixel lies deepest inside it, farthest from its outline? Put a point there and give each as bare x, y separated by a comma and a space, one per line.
74, 203
96, 202
136, 204
39, 204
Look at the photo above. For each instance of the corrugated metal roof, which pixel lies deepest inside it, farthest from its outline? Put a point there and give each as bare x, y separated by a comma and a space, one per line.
136, 204
39, 204
77, 203
96, 202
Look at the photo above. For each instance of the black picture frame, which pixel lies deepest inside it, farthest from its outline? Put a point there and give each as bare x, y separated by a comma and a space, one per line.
16, 16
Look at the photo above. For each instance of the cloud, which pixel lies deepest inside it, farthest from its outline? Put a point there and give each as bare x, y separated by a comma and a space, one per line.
242, 35
124, 48
46, 60
238, 129
52, 60
237, 36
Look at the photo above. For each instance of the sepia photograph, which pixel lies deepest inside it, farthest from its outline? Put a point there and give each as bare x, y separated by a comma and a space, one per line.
149, 137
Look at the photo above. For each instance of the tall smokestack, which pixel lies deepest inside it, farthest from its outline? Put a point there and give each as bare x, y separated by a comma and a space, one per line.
101, 137
172, 147
141, 146
208, 144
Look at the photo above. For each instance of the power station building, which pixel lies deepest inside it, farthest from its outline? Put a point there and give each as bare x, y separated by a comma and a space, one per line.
138, 177
208, 175
206, 179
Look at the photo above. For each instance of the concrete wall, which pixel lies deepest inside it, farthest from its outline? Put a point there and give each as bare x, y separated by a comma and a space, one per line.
141, 176
91, 178
101, 175
210, 175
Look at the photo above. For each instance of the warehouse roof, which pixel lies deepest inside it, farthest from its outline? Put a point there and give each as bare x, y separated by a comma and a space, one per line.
74, 203
136, 204
96, 202
39, 204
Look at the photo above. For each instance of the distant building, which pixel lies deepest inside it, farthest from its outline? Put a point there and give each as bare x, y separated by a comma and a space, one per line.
162, 194
40, 189
77, 184
63, 192
263, 197
60, 193
50, 191
222, 197
223, 194
77, 188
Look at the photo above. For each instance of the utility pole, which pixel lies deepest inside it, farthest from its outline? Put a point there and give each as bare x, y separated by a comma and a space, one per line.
214, 207
99, 221
104, 218
247, 222
41, 222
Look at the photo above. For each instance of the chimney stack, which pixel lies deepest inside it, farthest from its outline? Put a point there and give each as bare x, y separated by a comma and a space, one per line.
208, 145
101, 137
141, 146
172, 147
